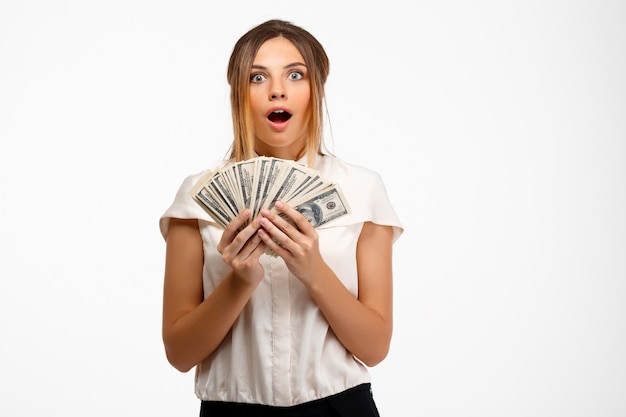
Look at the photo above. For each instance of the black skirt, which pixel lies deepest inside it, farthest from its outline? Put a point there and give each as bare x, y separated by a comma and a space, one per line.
353, 402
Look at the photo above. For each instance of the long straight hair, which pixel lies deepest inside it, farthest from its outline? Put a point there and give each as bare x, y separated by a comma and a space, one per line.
238, 76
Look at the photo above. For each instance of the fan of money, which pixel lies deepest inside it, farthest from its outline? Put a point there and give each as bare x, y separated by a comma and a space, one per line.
259, 182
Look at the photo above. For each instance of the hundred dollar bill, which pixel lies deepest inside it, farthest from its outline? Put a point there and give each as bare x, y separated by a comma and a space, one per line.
324, 207
219, 187
244, 177
213, 207
268, 181
229, 182
260, 177
295, 176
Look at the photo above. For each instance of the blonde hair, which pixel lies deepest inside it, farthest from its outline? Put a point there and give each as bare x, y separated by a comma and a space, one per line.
238, 76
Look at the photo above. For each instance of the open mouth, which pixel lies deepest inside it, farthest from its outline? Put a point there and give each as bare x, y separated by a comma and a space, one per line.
279, 116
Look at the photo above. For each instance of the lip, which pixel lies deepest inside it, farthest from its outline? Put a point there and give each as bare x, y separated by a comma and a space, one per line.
278, 125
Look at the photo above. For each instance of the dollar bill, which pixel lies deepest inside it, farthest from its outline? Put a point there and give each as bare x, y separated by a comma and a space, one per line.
259, 182
324, 207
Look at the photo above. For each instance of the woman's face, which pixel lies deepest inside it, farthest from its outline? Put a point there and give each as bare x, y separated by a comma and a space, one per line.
279, 99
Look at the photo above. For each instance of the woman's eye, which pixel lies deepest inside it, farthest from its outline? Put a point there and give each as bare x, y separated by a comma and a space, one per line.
295, 75
257, 78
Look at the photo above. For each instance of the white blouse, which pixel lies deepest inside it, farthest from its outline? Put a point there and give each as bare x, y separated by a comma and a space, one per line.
281, 351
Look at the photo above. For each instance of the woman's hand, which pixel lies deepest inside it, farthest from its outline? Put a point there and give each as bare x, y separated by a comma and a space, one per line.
296, 243
241, 249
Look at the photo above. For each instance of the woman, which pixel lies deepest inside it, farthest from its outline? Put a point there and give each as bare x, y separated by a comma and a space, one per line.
294, 332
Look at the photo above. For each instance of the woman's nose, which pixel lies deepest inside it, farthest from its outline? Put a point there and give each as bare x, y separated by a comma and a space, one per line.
277, 92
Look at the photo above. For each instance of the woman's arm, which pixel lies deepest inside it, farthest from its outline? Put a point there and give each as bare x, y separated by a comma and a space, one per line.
363, 324
193, 327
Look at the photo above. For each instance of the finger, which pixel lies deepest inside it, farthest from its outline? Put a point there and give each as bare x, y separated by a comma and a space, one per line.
236, 224
233, 238
275, 220
245, 234
300, 222
274, 226
273, 243
252, 245
259, 250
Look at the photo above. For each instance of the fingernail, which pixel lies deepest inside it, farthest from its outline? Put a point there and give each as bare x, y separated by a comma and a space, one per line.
279, 204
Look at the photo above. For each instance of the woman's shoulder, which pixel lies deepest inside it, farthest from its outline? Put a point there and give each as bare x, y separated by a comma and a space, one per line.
195, 176
365, 193
183, 205
335, 167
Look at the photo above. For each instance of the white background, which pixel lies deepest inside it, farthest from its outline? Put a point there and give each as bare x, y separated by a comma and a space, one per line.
499, 128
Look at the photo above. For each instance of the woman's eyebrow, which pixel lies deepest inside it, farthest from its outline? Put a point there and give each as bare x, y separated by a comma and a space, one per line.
293, 64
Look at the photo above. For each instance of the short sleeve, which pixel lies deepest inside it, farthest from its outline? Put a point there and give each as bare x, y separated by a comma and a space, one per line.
381, 209
366, 194
183, 206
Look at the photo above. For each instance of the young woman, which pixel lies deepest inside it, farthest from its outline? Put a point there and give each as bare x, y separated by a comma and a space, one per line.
293, 333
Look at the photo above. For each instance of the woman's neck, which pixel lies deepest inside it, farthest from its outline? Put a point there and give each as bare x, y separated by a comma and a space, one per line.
282, 153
